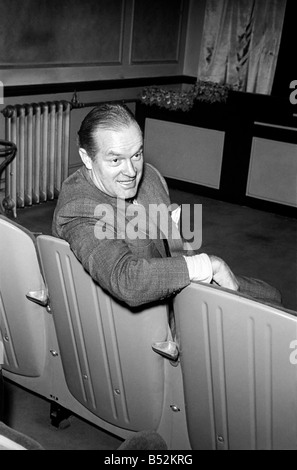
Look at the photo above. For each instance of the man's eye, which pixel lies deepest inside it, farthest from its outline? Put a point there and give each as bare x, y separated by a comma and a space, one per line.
138, 155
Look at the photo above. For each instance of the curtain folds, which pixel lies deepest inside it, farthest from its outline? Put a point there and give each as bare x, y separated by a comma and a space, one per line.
240, 44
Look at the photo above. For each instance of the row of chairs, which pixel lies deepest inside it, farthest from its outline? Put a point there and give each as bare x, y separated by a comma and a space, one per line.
232, 384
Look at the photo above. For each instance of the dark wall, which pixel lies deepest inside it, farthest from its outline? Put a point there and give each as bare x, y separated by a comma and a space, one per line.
246, 119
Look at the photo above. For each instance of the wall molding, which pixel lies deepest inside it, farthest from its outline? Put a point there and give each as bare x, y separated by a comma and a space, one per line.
66, 87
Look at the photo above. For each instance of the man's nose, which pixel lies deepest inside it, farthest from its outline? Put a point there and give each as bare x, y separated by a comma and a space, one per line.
129, 169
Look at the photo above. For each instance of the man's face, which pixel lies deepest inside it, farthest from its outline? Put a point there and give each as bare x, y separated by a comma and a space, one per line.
117, 167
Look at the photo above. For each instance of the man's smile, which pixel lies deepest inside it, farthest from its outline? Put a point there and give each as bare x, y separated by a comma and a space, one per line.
128, 183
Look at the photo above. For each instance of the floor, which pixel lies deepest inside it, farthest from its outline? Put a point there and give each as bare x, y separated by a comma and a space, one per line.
30, 414
252, 242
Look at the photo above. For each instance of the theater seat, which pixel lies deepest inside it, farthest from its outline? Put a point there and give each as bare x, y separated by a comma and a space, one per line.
10, 439
70, 342
239, 370
23, 322
105, 347
233, 385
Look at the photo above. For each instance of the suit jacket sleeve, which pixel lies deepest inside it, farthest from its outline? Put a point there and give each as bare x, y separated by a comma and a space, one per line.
135, 275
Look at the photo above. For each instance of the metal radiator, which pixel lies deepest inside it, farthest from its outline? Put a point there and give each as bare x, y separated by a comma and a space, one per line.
41, 134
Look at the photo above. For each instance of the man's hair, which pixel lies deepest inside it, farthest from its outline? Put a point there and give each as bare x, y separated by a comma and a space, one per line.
109, 116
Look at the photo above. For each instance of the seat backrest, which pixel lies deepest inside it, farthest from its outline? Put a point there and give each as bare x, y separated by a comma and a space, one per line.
21, 321
239, 370
105, 347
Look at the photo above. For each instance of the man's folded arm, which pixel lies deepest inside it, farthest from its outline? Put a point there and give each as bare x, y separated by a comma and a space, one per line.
132, 279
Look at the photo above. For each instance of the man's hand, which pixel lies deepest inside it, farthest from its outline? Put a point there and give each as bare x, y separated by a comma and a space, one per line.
222, 274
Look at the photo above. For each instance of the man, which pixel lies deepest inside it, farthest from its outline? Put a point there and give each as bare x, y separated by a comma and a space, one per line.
94, 210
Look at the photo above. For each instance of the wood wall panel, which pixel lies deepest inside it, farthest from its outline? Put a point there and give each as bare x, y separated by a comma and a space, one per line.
40, 32
156, 31
243, 151
273, 171
186, 153
64, 41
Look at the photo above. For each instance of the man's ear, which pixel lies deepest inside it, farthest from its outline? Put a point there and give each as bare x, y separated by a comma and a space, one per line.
87, 161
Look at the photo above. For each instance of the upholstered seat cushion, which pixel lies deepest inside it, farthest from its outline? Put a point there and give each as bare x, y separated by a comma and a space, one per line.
14, 440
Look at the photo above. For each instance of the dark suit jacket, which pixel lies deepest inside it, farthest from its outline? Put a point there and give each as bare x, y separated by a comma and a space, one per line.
136, 271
